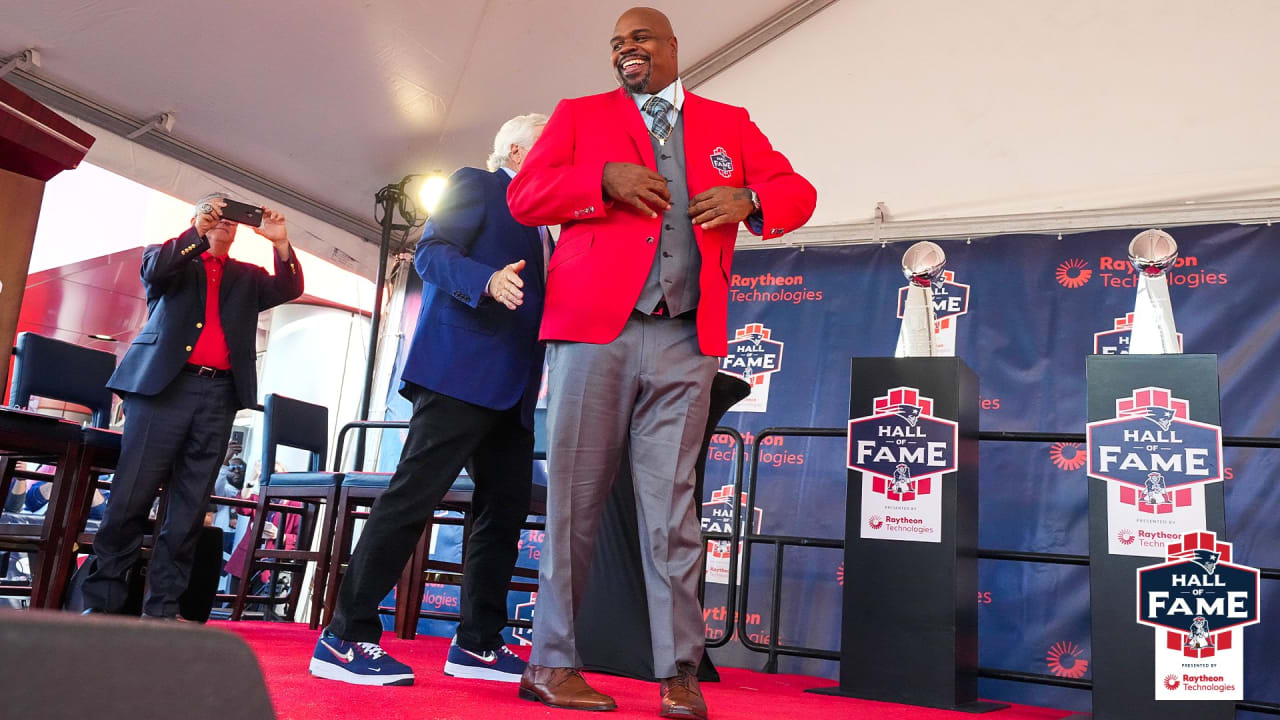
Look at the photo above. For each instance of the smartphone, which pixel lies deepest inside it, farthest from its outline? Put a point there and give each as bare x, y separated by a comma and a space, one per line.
242, 213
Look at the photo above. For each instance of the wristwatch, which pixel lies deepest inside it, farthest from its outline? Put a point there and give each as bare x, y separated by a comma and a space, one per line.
755, 201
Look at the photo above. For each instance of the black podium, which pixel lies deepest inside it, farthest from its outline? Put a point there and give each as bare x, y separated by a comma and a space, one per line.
909, 630
1158, 387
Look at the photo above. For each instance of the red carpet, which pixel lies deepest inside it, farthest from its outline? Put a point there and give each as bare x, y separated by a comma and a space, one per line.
285, 649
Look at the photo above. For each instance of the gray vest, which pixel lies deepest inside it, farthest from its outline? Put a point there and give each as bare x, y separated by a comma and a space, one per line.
674, 273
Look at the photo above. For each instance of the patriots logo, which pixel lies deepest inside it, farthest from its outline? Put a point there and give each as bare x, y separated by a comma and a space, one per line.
910, 413
1198, 638
1154, 491
1160, 416
756, 339
901, 482
1205, 558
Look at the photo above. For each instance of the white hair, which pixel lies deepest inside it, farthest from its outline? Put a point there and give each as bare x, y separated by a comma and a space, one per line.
519, 130
195, 209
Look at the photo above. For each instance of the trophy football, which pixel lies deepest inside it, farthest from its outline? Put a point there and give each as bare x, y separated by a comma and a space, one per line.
1152, 253
922, 264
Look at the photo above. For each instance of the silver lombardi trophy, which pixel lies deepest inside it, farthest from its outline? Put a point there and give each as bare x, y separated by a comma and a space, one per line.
1152, 253
922, 264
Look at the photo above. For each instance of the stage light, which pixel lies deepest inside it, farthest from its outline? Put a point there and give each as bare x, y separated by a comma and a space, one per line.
430, 191
414, 208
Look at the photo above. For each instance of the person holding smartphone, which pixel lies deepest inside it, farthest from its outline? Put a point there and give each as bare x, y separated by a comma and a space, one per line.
182, 381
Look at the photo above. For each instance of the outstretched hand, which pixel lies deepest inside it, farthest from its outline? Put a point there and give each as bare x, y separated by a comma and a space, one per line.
506, 287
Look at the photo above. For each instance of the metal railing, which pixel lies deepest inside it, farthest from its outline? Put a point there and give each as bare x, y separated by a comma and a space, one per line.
774, 648
733, 537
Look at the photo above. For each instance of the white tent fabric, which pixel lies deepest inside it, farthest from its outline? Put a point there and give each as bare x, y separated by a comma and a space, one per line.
333, 99
180, 180
986, 109
1004, 107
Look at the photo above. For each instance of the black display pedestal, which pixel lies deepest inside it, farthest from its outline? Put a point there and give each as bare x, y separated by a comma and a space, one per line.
909, 629
1123, 653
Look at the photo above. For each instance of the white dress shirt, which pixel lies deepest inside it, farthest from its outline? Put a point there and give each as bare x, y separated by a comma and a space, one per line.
673, 93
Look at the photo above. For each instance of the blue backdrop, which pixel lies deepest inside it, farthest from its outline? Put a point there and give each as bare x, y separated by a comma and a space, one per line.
1035, 304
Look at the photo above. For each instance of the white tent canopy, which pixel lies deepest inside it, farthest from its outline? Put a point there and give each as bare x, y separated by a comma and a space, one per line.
990, 109
1023, 115
315, 105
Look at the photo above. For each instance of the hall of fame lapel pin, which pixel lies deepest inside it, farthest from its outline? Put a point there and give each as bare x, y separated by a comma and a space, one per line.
721, 161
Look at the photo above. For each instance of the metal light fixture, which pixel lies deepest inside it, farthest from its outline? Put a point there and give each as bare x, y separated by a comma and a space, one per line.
430, 191
390, 200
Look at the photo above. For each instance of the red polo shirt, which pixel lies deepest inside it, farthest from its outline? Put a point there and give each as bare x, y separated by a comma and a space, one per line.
211, 348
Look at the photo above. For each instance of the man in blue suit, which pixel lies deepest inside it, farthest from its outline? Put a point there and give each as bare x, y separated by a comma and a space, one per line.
473, 373
184, 377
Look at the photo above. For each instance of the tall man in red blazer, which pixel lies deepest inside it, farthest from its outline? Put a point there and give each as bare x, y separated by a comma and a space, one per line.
649, 183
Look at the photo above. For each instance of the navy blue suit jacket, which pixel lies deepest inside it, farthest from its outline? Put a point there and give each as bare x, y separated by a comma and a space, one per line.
467, 345
174, 279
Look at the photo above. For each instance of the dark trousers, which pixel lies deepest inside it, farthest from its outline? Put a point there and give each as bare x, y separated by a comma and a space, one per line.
444, 435
177, 438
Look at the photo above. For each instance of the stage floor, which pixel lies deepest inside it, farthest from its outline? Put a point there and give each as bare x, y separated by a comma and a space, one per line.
284, 649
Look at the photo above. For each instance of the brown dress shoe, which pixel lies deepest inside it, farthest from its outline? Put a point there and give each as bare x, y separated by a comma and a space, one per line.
561, 688
681, 696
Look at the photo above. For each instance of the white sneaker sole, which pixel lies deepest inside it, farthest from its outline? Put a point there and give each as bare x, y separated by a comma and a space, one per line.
329, 671
471, 672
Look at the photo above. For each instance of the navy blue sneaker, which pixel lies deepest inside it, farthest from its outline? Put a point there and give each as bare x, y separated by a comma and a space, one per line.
358, 663
501, 664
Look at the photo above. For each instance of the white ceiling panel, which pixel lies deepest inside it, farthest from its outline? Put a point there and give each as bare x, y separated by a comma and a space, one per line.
335, 98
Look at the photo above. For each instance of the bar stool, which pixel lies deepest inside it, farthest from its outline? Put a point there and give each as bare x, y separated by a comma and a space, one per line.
302, 425
57, 370
423, 569
361, 489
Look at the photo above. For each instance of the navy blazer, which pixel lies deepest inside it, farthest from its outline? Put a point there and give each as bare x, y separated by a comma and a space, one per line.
174, 279
467, 345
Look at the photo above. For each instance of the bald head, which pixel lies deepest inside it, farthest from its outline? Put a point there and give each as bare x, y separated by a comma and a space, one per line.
644, 50
647, 17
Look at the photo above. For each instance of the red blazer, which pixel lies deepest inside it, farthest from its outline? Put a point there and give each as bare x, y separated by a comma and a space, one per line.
605, 249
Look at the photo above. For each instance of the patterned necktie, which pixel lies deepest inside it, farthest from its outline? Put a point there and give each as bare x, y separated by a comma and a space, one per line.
657, 108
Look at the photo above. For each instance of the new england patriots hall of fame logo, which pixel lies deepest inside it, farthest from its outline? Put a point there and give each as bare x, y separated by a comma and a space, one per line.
950, 301
754, 356
902, 451
524, 611
1156, 461
721, 161
1116, 340
717, 517
1196, 600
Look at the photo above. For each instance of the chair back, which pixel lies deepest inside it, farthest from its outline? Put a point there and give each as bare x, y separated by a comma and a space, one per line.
297, 424
57, 370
